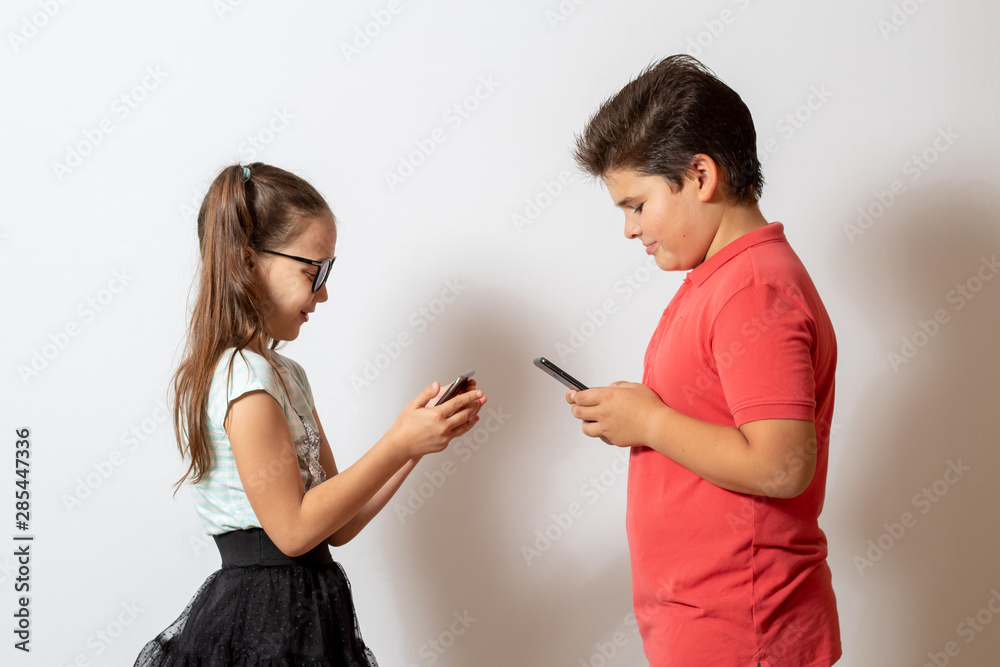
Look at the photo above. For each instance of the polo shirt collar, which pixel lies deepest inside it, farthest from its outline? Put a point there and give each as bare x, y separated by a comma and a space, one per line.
770, 232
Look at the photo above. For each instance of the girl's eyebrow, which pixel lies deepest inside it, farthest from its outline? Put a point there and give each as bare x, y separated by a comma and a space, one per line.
626, 202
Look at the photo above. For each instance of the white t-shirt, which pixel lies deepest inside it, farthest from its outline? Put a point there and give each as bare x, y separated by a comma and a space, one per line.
220, 497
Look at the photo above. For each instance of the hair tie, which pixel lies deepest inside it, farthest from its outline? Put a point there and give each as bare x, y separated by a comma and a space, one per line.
246, 174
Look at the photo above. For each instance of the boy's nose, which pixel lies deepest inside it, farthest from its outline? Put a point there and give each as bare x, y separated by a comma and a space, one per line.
632, 228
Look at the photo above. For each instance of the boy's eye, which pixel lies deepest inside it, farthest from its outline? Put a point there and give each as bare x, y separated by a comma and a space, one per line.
638, 209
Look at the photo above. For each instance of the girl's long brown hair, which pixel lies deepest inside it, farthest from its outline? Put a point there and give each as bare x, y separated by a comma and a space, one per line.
264, 211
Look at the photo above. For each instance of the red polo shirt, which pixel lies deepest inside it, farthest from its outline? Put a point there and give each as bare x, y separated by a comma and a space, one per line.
724, 579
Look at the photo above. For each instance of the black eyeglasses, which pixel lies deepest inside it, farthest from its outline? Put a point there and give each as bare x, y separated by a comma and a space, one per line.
322, 273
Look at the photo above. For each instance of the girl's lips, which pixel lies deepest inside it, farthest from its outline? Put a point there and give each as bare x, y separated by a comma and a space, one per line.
305, 316
651, 248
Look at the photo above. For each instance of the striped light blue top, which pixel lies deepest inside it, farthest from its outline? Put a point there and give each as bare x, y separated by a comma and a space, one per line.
220, 497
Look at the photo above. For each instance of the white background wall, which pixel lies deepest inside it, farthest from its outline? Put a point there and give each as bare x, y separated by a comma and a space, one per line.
115, 558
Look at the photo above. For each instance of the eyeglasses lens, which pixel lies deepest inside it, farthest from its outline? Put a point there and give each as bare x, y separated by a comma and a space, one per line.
322, 274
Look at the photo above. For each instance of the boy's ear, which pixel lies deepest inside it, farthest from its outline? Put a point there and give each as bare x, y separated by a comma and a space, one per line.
706, 174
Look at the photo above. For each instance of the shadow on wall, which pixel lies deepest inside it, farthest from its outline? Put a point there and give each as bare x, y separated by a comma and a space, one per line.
925, 543
478, 600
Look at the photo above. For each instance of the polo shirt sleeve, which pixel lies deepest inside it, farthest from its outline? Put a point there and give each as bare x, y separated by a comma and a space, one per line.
762, 344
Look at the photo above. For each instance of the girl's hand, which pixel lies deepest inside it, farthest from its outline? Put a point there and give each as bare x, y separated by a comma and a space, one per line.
469, 386
423, 428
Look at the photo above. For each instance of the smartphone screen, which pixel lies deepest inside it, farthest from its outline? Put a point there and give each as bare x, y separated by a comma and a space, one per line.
456, 387
559, 374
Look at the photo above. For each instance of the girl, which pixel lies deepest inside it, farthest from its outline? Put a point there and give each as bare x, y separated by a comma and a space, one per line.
263, 476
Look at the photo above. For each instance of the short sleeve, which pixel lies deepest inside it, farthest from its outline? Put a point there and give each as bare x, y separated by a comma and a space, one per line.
251, 372
299, 375
762, 344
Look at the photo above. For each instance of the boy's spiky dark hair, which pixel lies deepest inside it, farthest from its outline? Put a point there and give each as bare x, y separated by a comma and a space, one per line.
672, 111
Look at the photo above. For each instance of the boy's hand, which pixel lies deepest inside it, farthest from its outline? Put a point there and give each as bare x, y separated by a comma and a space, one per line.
619, 414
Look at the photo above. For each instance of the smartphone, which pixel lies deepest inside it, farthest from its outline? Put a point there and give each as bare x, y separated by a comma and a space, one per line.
456, 387
559, 374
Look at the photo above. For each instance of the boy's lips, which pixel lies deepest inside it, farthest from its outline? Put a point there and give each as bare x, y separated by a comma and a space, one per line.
651, 248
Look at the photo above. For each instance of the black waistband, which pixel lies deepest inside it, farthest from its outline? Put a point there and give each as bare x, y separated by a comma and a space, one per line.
240, 548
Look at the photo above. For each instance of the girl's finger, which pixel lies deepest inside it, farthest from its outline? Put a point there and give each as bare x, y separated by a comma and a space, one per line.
463, 400
463, 414
428, 392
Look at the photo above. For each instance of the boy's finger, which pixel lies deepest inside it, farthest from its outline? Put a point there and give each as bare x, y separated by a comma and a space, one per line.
587, 397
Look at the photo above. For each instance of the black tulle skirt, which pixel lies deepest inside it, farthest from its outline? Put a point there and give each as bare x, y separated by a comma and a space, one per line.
264, 608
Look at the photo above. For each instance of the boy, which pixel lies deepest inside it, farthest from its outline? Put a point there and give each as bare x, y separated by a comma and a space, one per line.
729, 429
